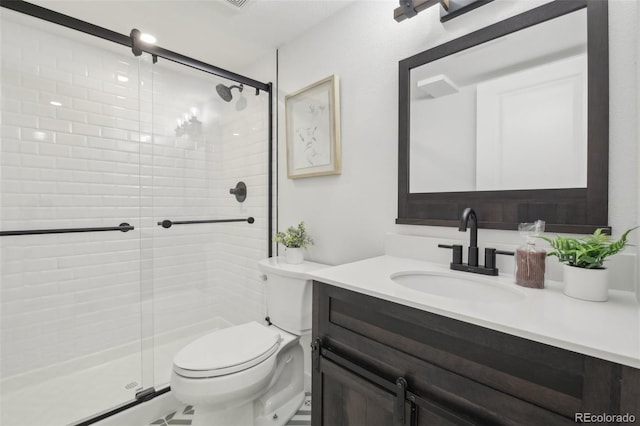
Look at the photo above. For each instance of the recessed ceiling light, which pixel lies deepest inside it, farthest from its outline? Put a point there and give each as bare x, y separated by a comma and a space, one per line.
147, 38
123, 79
55, 103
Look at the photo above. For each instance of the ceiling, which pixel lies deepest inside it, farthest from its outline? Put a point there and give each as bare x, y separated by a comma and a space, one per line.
212, 31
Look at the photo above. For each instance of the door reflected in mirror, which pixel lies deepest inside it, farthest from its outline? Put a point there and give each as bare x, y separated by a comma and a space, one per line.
507, 114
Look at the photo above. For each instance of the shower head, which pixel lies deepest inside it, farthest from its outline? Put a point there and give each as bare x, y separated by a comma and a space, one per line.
225, 92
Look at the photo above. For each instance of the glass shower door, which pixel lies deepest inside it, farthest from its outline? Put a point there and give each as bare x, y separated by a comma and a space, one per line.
70, 159
179, 169
98, 148
205, 275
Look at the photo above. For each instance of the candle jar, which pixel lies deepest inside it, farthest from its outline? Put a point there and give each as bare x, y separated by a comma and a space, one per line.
530, 266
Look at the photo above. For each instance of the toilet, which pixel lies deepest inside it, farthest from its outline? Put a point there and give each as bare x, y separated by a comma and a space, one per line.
253, 373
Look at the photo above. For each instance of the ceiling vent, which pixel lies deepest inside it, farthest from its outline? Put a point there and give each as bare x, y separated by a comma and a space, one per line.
237, 3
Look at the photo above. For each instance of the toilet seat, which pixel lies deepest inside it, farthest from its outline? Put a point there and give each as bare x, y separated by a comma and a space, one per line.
227, 351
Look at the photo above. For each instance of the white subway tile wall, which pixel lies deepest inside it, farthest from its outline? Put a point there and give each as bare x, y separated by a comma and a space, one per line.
81, 147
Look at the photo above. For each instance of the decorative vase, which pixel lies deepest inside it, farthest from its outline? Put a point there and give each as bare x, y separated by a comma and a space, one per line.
586, 284
294, 255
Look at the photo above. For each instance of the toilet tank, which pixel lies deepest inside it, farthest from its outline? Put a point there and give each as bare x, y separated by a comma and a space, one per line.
289, 293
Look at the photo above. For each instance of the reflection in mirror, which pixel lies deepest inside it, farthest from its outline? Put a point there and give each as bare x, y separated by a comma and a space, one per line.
508, 114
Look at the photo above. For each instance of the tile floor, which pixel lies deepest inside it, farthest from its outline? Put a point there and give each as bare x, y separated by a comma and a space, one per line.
184, 416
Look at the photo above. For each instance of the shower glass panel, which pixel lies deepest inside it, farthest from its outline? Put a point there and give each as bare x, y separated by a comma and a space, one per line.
94, 137
205, 275
70, 158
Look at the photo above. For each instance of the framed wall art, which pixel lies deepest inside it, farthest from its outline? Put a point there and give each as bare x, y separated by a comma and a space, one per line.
312, 117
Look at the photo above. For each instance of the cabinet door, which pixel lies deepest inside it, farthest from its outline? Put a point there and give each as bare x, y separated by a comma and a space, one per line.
431, 416
346, 399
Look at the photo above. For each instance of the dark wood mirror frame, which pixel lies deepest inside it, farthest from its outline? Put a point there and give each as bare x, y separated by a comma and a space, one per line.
572, 210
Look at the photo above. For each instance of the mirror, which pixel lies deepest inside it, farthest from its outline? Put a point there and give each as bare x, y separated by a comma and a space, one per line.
511, 120
495, 111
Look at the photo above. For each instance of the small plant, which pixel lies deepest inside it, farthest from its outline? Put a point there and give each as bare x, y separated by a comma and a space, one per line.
294, 237
589, 252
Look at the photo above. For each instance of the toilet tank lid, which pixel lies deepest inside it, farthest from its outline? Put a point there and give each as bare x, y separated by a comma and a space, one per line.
278, 265
228, 347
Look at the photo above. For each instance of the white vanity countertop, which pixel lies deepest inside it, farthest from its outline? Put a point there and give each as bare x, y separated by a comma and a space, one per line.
607, 330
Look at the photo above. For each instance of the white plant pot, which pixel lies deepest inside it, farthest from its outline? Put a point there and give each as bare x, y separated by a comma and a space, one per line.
586, 284
294, 255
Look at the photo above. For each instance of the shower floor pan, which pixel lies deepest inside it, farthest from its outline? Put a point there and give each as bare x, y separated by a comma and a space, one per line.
65, 399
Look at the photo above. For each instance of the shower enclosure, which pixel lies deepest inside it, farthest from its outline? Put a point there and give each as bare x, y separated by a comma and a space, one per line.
124, 230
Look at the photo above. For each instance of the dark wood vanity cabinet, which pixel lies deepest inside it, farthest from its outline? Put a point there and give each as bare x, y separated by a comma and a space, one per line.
375, 362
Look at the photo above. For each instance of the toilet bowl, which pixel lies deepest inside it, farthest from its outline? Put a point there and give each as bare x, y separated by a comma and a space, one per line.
251, 374
224, 373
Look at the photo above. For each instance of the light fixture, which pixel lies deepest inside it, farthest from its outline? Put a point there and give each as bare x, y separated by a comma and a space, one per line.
449, 10
410, 8
55, 103
123, 78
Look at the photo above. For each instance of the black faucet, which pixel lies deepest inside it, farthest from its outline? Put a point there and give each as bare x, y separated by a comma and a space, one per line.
469, 214
489, 268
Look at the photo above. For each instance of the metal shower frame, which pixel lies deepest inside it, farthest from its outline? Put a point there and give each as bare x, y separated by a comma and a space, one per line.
54, 17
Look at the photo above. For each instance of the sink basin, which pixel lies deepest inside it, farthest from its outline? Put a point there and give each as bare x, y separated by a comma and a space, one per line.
456, 287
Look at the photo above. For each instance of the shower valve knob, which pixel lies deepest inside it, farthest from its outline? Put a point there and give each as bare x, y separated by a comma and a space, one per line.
240, 191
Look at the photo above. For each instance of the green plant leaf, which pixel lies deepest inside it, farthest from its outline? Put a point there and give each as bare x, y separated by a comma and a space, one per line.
588, 252
294, 237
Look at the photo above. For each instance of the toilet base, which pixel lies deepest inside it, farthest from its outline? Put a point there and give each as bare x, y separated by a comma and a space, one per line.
236, 416
244, 415
283, 414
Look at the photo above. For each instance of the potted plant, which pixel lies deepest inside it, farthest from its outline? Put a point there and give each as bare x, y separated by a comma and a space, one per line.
295, 239
585, 276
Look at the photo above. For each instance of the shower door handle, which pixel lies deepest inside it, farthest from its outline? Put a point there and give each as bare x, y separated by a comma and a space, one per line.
123, 227
169, 223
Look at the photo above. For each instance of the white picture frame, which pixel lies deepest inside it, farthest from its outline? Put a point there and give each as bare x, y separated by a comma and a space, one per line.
312, 117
